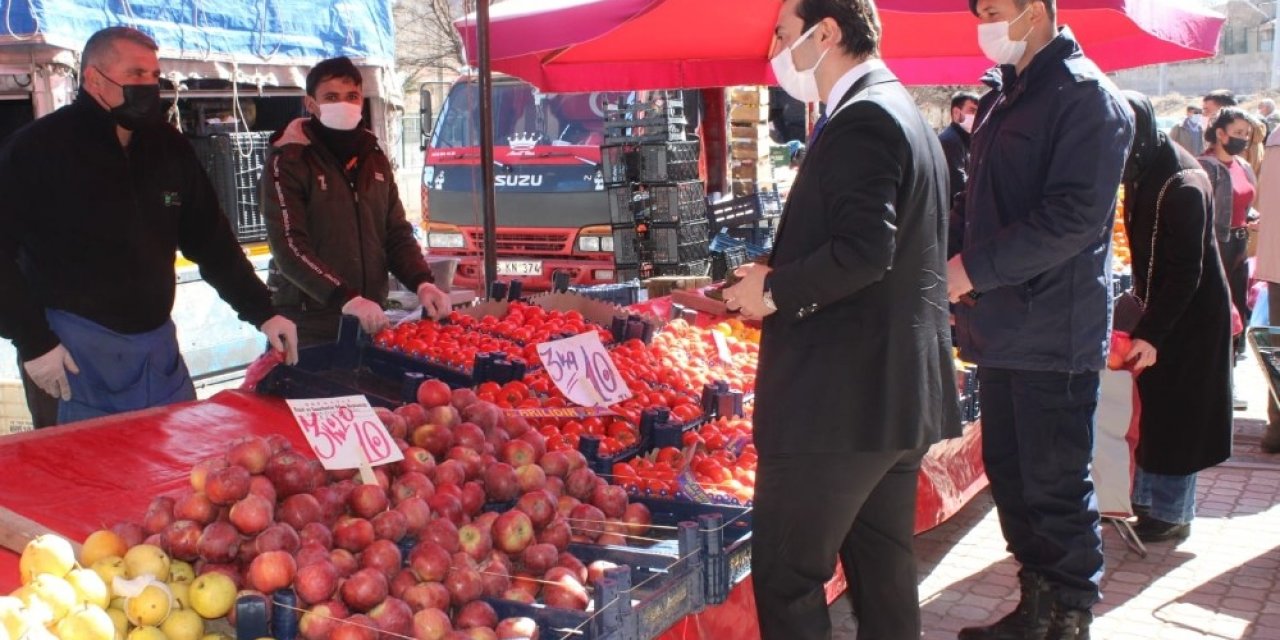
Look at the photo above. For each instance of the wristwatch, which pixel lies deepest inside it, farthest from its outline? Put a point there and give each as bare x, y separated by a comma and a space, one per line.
768, 294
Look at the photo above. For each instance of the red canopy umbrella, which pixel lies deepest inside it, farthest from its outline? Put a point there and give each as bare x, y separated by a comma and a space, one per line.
596, 45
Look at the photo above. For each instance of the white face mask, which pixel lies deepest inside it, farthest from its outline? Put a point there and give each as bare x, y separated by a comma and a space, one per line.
966, 122
801, 85
343, 116
994, 40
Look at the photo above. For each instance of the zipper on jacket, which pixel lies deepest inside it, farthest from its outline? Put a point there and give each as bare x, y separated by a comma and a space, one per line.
355, 198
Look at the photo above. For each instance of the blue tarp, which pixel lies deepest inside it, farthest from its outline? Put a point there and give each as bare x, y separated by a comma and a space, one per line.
244, 31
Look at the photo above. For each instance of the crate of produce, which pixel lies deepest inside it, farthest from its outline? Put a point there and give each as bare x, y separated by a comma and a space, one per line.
679, 243
234, 163
726, 540
657, 430
652, 162
675, 202
659, 118
745, 209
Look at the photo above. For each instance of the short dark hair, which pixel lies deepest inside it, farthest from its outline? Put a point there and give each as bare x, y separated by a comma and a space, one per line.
1050, 6
101, 46
1221, 97
858, 21
961, 98
339, 67
1225, 117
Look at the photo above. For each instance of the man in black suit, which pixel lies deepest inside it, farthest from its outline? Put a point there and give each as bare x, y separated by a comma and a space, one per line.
856, 378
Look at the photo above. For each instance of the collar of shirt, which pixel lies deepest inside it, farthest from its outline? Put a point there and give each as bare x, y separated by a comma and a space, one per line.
847, 81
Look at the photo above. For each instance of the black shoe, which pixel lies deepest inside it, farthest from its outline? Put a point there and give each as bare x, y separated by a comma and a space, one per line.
1151, 529
1069, 624
1030, 621
1141, 510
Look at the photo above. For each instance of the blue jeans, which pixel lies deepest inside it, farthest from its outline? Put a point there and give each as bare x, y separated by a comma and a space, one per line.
1037, 443
1167, 498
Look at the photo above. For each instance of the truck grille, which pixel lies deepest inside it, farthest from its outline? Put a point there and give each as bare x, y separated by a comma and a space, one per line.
528, 243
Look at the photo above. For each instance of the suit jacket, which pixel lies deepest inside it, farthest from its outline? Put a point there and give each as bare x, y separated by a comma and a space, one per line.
858, 356
955, 146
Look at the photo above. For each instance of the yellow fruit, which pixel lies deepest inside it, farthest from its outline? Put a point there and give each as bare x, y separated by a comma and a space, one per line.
150, 607
147, 559
46, 554
216, 636
212, 595
118, 603
120, 621
180, 571
181, 594
183, 625
87, 622
108, 568
90, 589
146, 633
33, 609
55, 592
15, 618
101, 544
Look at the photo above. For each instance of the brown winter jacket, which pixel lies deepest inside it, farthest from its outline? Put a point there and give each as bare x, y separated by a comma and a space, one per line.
330, 242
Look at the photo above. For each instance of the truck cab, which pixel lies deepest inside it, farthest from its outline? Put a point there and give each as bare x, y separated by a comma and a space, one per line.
550, 198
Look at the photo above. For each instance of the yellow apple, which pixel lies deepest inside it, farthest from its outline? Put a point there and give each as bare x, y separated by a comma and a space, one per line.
87, 622
183, 624
108, 568
55, 592
151, 607
147, 559
120, 621
181, 594
212, 595
101, 544
46, 554
146, 633
180, 571
90, 589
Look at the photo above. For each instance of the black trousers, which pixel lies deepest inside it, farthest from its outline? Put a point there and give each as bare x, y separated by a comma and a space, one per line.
1234, 256
43, 407
811, 508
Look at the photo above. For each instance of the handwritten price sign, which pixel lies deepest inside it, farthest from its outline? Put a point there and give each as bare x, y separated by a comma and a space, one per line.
344, 432
583, 370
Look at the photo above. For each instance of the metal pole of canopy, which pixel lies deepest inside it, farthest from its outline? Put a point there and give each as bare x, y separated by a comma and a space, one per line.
486, 148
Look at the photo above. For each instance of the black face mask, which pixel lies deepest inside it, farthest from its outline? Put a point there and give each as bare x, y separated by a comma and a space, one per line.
1235, 146
141, 106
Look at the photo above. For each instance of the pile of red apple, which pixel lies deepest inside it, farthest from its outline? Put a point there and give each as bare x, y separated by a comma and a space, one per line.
529, 324
720, 457
692, 352
449, 344
492, 513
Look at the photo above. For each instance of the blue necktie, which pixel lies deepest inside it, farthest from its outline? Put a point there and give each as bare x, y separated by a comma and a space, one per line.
817, 130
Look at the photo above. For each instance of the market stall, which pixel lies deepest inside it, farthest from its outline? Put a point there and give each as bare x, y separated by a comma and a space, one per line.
85, 477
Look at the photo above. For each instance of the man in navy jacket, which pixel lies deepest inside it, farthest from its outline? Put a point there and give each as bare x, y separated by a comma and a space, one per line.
1033, 279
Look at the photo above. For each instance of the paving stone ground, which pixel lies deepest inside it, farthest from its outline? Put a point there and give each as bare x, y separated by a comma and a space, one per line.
1222, 582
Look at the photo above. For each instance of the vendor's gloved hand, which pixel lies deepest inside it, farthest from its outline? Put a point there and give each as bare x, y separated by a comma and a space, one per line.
372, 318
435, 303
282, 334
49, 372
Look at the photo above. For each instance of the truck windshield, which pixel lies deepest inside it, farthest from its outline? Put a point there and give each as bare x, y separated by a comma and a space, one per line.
523, 116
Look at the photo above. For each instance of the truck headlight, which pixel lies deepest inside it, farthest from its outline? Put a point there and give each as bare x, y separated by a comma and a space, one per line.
589, 243
443, 240
606, 244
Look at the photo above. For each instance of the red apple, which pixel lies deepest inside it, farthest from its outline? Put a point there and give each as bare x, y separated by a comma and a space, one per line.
353, 534
333, 503
413, 413
300, 509
614, 539
501, 482
417, 459
538, 558
597, 569
462, 398
357, 627
556, 533
427, 595
445, 416
201, 470
320, 621
637, 518
434, 393
417, 514
271, 571
443, 532
581, 483
390, 525
290, 473
345, 561
477, 614
512, 531
555, 486
516, 594
518, 453
130, 532
227, 485
250, 452
278, 443
228, 570
531, 478
429, 561
219, 542
473, 498
435, 438
515, 425
572, 563
526, 582
181, 539
566, 504
365, 589
251, 514
278, 537
587, 520
464, 585
485, 414
555, 463
496, 577
431, 624
517, 629
611, 499
316, 582
401, 582
260, 485
481, 633
539, 506
470, 459
469, 435
474, 542
311, 553
368, 500
565, 590
382, 555
449, 472
195, 506
317, 533
393, 618
412, 484
446, 506
539, 443
485, 521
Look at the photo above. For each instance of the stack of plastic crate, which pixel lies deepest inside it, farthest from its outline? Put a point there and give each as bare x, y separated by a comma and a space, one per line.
657, 204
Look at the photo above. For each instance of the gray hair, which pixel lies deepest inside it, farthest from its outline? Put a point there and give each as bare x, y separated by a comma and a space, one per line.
101, 47
1268, 103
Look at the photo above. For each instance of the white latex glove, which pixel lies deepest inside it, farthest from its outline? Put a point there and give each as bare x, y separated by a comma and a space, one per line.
435, 303
49, 372
372, 318
282, 334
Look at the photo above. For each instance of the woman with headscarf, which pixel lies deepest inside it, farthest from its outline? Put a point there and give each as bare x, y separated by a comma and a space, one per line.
1182, 354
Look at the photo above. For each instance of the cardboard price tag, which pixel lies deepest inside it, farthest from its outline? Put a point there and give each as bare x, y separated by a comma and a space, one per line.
722, 347
583, 370
344, 432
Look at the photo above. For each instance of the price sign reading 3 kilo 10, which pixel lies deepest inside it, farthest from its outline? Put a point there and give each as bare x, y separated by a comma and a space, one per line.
583, 371
344, 432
